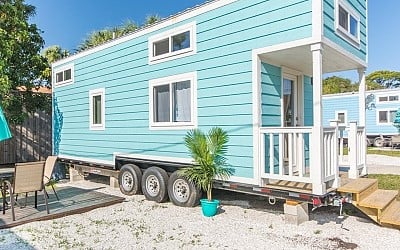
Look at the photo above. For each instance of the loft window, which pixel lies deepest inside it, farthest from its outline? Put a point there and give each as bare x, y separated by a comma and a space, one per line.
173, 44
347, 22
173, 102
64, 75
390, 98
97, 109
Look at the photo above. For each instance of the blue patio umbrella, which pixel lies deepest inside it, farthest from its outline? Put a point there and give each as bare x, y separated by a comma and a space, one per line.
4, 130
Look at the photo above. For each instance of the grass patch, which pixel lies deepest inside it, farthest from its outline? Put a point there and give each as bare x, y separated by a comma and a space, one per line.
376, 151
387, 181
395, 153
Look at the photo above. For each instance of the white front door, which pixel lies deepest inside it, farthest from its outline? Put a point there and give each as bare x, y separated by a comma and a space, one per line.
290, 101
292, 113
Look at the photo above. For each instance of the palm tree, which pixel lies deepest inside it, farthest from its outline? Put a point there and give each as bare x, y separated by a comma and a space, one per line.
151, 19
208, 152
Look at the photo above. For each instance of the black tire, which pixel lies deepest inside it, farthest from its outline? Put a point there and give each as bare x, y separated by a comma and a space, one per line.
379, 142
129, 179
182, 192
154, 184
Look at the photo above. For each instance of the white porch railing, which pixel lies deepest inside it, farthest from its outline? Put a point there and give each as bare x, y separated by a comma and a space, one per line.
330, 157
285, 154
356, 143
357, 151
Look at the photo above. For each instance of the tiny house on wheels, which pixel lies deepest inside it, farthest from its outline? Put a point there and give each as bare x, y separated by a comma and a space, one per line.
381, 107
252, 67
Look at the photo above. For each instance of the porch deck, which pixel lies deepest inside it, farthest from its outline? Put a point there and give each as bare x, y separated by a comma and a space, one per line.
73, 200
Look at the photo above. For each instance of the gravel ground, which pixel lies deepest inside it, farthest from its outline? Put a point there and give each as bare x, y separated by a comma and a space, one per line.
381, 164
244, 222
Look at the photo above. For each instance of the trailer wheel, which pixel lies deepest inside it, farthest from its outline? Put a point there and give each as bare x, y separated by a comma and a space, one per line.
379, 142
182, 192
129, 179
154, 184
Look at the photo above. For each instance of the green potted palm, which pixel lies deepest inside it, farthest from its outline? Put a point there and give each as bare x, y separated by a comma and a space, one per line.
208, 153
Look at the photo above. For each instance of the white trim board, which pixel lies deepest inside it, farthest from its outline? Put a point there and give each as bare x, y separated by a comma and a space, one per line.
195, 11
154, 158
84, 159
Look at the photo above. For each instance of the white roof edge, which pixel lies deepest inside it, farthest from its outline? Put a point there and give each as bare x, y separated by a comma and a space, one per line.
180, 16
377, 91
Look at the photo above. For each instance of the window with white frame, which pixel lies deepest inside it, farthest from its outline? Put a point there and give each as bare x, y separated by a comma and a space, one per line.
347, 22
64, 75
97, 109
386, 117
389, 98
173, 101
341, 116
172, 44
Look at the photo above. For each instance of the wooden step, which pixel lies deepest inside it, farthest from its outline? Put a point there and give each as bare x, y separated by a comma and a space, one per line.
379, 199
391, 215
357, 186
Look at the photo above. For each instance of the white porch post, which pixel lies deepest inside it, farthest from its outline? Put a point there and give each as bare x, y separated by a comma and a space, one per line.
316, 154
362, 114
336, 182
352, 143
361, 97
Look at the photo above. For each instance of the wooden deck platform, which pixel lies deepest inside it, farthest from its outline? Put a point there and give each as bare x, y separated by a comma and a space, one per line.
73, 200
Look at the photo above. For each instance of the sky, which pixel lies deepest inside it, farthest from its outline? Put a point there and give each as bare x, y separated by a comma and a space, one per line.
68, 22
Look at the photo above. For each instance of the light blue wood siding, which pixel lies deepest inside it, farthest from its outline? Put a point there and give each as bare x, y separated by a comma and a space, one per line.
225, 39
271, 90
349, 103
330, 31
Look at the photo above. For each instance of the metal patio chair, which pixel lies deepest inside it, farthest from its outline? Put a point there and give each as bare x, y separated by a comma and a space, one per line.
28, 177
48, 171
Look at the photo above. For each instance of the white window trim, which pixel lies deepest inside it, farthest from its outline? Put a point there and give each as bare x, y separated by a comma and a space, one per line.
192, 76
64, 68
388, 110
337, 116
354, 40
191, 27
95, 92
377, 98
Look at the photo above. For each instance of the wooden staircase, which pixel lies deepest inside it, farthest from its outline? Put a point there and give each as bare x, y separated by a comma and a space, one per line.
380, 205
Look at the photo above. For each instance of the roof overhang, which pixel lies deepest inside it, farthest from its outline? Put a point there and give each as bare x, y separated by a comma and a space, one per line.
299, 58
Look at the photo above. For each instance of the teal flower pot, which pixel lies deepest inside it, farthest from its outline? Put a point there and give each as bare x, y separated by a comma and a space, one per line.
209, 208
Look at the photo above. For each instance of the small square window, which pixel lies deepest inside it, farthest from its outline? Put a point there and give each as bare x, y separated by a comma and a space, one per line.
64, 75
393, 98
341, 116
